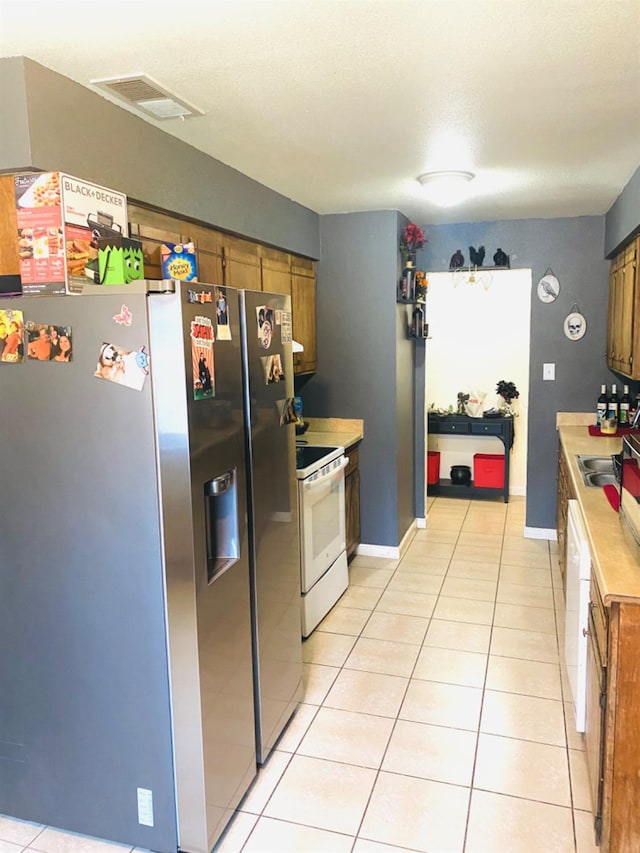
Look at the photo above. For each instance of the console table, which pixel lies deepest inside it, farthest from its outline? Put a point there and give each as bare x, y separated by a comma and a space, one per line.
501, 428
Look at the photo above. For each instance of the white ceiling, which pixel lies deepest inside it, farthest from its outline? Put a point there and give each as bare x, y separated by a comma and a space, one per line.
341, 104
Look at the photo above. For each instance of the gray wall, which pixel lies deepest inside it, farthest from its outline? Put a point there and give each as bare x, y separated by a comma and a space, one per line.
574, 249
75, 130
623, 218
365, 363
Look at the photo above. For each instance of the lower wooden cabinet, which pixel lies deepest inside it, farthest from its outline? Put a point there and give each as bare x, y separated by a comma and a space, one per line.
352, 501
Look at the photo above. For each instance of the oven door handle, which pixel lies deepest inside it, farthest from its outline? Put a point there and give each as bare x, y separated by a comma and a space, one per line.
316, 483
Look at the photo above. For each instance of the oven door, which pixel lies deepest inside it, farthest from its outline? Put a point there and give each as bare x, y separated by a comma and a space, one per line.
322, 523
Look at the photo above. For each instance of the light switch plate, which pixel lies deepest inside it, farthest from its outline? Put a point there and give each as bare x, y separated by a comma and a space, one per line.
548, 371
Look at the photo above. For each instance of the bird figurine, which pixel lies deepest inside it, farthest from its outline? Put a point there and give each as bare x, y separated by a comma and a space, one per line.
457, 260
501, 259
476, 258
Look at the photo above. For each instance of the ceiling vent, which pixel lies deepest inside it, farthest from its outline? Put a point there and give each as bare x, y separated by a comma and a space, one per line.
147, 96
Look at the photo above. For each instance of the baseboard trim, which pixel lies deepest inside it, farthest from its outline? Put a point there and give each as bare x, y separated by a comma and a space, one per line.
421, 523
541, 533
520, 491
387, 551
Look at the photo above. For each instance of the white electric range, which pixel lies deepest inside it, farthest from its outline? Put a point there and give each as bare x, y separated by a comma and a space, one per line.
324, 575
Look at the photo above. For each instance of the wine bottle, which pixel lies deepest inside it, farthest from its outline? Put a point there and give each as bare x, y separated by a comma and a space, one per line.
613, 407
602, 405
625, 407
417, 325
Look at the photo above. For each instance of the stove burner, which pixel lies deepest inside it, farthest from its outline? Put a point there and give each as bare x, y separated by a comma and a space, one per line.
308, 455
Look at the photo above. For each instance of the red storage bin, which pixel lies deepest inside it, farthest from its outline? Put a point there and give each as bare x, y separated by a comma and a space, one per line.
488, 470
433, 467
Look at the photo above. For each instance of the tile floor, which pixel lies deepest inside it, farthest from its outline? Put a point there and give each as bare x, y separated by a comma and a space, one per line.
435, 714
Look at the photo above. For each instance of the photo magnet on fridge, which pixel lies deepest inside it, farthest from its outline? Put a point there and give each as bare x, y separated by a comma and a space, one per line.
202, 358
49, 342
124, 367
11, 336
285, 327
222, 315
272, 365
265, 316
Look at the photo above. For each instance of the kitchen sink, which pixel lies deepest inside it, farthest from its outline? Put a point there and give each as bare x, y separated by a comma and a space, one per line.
597, 470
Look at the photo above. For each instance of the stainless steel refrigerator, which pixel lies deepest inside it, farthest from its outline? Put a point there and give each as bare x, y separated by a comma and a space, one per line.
273, 511
126, 665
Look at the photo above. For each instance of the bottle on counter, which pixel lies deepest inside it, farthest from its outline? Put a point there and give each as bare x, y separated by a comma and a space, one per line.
602, 405
625, 407
613, 406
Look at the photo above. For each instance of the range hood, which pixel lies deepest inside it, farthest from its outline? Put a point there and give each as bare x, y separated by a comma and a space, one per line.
296, 346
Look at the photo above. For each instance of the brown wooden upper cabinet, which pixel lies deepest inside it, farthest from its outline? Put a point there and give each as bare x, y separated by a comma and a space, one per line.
623, 333
235, 262
276, 271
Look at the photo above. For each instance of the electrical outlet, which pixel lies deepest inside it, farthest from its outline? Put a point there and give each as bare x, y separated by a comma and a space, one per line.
145, 806
548, 371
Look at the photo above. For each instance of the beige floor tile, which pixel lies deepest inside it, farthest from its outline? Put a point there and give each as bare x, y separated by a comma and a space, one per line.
542, 619
236, 833
523, 717
464, 610
535, 771
501, 824
363, 597
344, 620
326, 648
8, 847
384, 656
525, 575
431, 752
580, 787
451, 666
364, 576
317, 679
407, 603
475, 589
531, 596
53, 840
585, 834
364, 846
458, 635
347, 736
532, 559
481, 525
442, 705
272, 835
383, 563
420, 550
322, 794
473, 570
519, 543
415, 582
20, 832
396, 626
477, 554
482, 540
367, 692
423, 566
530, 645
532, 678
432, 534
265, 782
416, 813
296, 728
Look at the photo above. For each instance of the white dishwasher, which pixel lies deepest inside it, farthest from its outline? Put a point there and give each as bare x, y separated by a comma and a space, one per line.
577, 611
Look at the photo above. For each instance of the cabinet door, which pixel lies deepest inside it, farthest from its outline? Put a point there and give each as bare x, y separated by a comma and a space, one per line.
276, 271
625, 312
209, 253
303, 305
242, 264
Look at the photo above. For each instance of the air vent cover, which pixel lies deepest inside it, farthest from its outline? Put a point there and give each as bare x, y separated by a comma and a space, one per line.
147, 96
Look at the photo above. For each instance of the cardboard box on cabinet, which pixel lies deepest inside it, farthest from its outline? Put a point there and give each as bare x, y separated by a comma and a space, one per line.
60, 220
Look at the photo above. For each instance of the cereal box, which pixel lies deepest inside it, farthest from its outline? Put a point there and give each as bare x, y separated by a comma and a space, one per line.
179, 261
60, 220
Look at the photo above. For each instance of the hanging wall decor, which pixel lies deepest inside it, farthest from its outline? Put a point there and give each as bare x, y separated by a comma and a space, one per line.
575, 324
548, 287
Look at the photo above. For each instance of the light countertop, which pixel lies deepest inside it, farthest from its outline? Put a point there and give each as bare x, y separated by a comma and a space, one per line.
333, 432
615, 554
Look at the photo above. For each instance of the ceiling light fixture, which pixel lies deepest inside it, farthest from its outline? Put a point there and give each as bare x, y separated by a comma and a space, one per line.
446, 188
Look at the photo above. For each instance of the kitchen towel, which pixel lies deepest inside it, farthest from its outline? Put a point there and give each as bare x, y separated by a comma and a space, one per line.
613, 496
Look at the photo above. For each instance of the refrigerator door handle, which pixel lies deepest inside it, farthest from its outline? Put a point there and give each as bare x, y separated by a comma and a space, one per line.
221, 523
